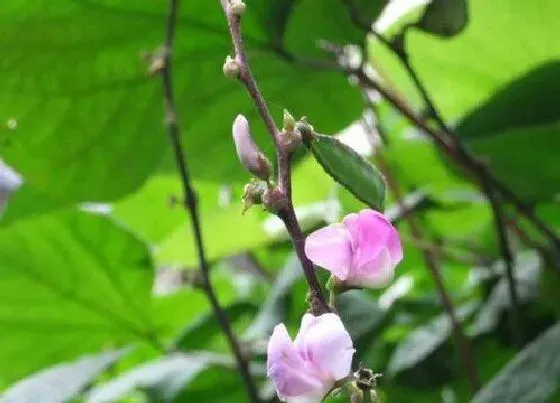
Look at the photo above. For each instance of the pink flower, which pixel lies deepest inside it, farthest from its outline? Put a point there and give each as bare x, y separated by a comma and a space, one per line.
361, 251
304, 370
247, 151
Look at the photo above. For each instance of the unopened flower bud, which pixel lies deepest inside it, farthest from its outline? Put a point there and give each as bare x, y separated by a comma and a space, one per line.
231, 67
289, 122
248, 152
237, 7
290, 138
253, 194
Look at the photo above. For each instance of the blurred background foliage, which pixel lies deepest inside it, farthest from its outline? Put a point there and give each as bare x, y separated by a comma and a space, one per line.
98, 284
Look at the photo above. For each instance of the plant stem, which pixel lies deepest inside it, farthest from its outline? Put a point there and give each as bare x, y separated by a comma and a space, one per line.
483, 178
452, 144
191, 206
286, 213
507, 256
432, 263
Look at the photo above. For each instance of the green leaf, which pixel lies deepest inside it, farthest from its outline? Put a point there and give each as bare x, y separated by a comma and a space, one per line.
525, 158
445, 17
90, 119
527, 273
463, 72
531, 377
360, 313
273, 309
216, 385
423, 341
165, 377
62, 382
225, 229
350, 169
197, 335
527, 101
70, 283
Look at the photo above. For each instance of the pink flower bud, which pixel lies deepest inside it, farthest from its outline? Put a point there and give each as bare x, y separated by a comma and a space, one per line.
361, 251
307, 368
247, 151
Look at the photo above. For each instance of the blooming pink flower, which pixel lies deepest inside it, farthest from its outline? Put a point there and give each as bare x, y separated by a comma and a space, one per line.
247, 151
304, 370
361, 251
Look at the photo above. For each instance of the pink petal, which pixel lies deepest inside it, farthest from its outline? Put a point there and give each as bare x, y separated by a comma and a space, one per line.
369, 231
286, 368
326, 345
315, 397
378, 272
395, 247
330, 248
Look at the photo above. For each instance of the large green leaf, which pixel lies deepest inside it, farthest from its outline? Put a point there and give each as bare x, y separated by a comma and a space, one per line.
165, 377
525, 158
496, 47
531, 377
525, 102
496, 87
69, 284
151, 213
423, 341
62, 382
527, 273
90, 120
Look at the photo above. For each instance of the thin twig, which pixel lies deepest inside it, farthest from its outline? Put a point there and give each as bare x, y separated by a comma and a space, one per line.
482, 174
430, 257
286, 213
191, 206
453, 145
433, 265
507, 256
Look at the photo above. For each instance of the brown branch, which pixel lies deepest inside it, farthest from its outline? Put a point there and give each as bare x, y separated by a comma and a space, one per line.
286, 213
432, 262
507, 256
455, 147
191, 206
483, 176
433, 265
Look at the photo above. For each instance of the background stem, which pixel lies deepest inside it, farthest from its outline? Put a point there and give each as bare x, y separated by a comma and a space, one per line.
191, 206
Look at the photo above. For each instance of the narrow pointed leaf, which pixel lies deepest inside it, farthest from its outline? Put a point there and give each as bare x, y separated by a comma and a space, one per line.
350, 169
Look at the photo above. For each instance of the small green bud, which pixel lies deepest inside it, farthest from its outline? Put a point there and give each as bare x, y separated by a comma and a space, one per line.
237, 7
289, 122
231, 67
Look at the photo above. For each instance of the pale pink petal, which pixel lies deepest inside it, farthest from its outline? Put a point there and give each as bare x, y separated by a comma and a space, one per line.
315, 397
378, 272
324, 342
330, 248
369, 231
286, 368
395, 247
